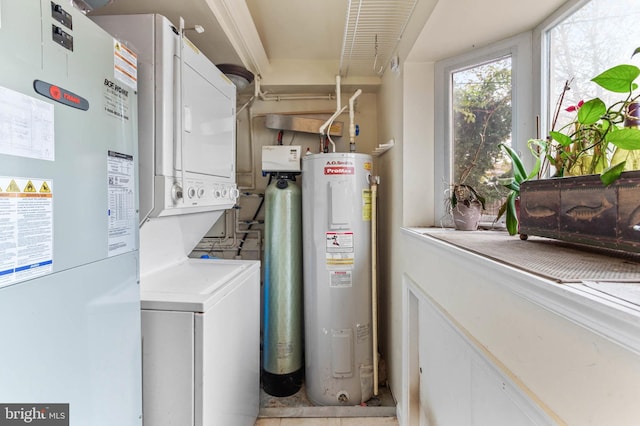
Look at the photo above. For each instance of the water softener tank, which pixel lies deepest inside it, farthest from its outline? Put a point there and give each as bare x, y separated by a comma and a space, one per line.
282, 339
337, 278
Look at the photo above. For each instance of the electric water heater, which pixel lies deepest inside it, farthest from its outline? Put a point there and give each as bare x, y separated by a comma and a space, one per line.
336, 210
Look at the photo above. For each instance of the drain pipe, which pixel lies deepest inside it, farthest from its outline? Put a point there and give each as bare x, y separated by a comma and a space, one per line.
352, 126
329, 122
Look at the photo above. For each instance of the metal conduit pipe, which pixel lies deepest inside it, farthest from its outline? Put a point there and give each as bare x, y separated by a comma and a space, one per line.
266, 96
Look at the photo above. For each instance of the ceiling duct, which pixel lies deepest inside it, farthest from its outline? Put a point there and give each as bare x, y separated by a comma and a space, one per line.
373, 30
239, 75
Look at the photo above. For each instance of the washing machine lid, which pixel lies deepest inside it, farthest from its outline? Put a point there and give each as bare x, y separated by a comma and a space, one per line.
193, 285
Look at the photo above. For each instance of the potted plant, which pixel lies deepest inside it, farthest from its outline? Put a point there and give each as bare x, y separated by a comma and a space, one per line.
464, 203
593, 196
600, 138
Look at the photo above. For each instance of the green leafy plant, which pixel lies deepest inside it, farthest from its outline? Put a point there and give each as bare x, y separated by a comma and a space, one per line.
509, 209
588, 144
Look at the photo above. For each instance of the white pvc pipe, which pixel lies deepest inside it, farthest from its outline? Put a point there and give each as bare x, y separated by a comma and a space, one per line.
330, 120
338, 96
352, 126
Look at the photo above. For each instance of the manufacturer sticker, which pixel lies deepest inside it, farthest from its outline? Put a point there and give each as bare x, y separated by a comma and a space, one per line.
60, 95
339, 167
116, 100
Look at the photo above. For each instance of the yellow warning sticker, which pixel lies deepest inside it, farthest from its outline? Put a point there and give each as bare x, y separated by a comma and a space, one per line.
29, 235
366, 204
44, 189
29, 187
368, 165
13, 186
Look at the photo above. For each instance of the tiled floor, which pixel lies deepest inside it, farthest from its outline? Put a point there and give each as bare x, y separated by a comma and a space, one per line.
329, 421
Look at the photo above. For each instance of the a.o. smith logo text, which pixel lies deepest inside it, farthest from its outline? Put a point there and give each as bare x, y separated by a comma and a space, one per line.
34, 414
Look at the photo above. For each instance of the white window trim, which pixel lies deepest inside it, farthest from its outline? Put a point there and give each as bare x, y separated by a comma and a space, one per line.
541, 60
524, 121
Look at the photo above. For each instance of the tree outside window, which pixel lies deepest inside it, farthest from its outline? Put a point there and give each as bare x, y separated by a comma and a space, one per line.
481, 120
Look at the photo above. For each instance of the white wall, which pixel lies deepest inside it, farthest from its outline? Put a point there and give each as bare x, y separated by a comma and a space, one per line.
406, 192
565, 366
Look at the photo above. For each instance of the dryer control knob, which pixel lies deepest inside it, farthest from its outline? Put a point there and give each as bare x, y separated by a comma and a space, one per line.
191, 192
176, 192
200, 192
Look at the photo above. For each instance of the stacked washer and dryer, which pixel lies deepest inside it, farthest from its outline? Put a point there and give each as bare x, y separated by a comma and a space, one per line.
200, 317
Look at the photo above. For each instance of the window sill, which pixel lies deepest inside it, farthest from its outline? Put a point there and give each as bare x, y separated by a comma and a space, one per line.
606, 306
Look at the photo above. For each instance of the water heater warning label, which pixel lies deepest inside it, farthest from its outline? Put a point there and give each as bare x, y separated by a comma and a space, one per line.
340, 279
366, 204
339, 248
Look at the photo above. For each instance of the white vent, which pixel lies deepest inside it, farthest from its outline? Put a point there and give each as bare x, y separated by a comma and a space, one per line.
373, 30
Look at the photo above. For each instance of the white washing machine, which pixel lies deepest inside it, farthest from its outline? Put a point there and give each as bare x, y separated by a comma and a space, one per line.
200, 348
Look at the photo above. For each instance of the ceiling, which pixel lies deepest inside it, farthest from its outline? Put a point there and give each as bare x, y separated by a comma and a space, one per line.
302, 42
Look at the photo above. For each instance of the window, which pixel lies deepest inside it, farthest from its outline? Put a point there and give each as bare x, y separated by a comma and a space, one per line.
481, 120
597, 35
486, 99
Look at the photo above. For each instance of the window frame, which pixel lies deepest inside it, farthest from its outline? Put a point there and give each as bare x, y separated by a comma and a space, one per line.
523, 120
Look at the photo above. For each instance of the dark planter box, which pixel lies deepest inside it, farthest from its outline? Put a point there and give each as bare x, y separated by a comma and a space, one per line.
581, 209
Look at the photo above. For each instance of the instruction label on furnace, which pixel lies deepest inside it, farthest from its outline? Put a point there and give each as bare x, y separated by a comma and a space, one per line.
26, 126
122, 203
26, 228
339, 248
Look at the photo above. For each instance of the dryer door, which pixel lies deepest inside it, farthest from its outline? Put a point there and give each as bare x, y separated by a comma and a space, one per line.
208, 120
